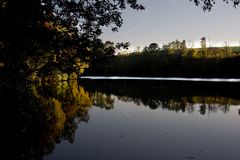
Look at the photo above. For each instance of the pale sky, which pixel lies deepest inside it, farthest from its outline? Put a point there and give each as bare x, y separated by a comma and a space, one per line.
167, 20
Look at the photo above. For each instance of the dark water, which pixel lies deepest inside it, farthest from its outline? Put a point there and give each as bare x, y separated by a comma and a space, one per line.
162, 79
101, 120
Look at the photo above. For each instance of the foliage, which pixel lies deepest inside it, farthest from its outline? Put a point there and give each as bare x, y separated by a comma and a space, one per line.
58, 33
45, 37
174, 60
35, 117
208, 4
153, 47
175, 46
203, 42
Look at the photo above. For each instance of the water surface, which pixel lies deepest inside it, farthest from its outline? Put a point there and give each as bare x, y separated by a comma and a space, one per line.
95, 120
162, 78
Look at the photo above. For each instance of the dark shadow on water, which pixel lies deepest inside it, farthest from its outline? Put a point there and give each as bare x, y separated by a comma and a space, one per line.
34, 118
153, 89
172, 95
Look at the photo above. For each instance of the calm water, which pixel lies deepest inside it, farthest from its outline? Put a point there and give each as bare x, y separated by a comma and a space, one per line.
111, 120
163, 79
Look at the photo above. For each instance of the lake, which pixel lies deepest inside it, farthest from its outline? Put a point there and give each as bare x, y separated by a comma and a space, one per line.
121, 119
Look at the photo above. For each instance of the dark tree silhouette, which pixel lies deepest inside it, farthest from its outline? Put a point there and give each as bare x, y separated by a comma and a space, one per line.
208, 4
65, 29
151, 48
56, 33
203, 42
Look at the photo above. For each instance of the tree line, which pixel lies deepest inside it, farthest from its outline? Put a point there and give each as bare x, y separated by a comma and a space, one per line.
52, 37
47, 37
172, 60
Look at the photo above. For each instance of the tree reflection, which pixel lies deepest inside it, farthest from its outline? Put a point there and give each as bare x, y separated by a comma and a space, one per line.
206, 104
34, 117
184, 97
103, 100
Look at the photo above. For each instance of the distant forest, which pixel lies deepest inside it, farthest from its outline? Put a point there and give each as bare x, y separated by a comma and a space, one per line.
57, 40
172, 60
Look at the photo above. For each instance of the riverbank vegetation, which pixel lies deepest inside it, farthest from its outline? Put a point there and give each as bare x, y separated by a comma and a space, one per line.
53, 42
172, 60
53, 39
